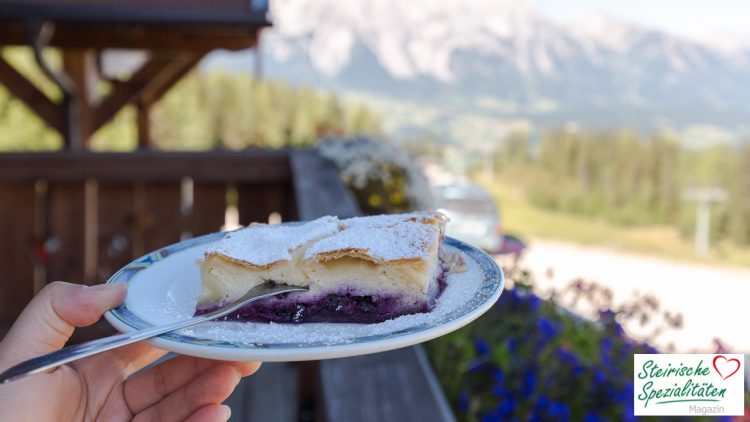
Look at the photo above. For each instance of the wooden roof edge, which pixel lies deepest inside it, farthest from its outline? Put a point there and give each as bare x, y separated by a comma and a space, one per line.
117, 14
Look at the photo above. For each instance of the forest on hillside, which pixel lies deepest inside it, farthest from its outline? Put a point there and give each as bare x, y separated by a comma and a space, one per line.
205, 110
629, 178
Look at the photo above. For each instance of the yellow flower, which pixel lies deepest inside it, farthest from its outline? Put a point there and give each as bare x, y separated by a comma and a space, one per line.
374, 200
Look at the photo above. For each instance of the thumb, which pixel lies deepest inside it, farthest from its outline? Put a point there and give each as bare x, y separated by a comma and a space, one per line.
49, 319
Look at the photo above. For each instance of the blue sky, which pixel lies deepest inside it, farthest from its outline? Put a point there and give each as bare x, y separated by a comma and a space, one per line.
692, 18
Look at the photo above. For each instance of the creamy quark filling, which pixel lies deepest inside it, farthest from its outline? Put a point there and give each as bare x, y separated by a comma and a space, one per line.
344, 304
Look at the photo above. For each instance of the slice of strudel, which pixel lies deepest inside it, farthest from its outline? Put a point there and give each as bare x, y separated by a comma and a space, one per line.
364, 269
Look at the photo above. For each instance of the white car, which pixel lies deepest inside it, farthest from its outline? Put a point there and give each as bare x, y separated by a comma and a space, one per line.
474, 216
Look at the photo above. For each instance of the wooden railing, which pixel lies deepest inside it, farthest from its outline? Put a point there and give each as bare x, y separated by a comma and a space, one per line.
80, 216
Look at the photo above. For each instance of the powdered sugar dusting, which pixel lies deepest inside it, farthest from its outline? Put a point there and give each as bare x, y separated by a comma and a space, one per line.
386, 220
263, 244
461, 289
384, 237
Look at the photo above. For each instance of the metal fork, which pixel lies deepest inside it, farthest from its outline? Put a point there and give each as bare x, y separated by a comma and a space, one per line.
78, 351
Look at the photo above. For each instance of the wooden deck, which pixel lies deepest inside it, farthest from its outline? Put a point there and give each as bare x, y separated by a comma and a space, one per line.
399, 385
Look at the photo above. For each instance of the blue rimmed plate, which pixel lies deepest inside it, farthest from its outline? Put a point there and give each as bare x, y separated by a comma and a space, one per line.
164, 285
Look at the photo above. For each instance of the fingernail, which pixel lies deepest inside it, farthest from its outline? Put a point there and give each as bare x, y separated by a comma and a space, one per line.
104, 287
227, 412
239, 376
108, 289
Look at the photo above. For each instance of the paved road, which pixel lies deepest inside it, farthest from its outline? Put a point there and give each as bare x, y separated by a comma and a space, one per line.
714, 301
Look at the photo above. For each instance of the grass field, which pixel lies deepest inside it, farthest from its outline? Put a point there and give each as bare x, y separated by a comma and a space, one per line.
526, 220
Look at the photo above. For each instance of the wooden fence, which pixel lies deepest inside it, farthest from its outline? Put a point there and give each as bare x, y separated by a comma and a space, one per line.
81, 216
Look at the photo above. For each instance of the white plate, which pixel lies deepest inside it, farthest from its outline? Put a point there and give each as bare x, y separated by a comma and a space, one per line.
163, 287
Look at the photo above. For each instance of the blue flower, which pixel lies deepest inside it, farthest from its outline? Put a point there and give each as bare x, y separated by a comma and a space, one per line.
498, 391
600, 377
498, 374
607, 315
492, 417
626, 394
542, 403
481, 346
549, 380
605, 349
566, 357
559, 411
512, 345
514, 293
610, 391
533, 301
629, 413
462, 404
506, 407
625, 352
650, 349
547, 328
529, 382
593, 417
476, 365
578, 370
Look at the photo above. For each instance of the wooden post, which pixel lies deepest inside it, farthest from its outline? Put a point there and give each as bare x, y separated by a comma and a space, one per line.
144, 124
704, 197
80, 66
258, 61
91, 231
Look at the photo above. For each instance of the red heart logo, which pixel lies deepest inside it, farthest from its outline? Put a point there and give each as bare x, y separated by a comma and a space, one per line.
726, 365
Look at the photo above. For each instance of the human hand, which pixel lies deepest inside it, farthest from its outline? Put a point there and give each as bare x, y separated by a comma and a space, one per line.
100, 387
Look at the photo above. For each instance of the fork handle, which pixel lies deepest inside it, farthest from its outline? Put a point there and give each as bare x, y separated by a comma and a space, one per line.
82, 350
79, 351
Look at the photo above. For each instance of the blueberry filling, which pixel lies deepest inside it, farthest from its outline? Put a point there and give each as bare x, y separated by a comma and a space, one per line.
335, 307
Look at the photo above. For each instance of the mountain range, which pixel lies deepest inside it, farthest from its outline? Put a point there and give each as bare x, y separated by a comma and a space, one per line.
486, 67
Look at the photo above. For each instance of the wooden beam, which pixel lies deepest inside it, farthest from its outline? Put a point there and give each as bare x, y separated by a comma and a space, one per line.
80, 66
258, 60
155, 90
142, 37
52, 113
157, 67
91, 231
158, 88
143, 122
262, 166
221, 13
